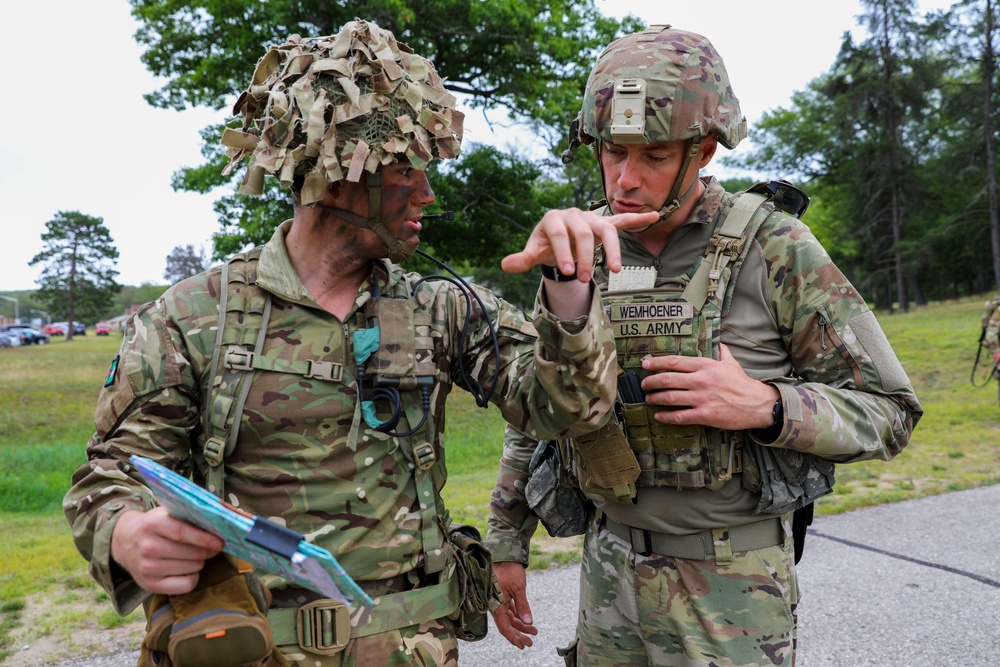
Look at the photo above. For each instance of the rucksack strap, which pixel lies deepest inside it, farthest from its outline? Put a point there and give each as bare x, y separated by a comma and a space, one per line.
244, 311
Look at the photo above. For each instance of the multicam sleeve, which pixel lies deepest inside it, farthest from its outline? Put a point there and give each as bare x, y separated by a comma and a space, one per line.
850, 399
511, 522
991, 338
557, 378
147, 406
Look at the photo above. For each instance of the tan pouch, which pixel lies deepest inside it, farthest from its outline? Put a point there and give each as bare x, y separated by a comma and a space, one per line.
606, 463
222, 623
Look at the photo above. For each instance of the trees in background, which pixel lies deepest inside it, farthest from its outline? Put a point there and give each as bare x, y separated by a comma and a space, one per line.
184, 262
529, 57
78, 271
895, 145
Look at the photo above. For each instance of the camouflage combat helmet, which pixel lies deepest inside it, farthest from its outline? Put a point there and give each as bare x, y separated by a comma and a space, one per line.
661, 84
323, 109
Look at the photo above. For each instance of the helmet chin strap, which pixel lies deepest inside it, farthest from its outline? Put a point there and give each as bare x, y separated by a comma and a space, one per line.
399, 250
672, 202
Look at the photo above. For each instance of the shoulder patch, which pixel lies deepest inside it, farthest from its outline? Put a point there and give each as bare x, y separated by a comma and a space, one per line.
113, 371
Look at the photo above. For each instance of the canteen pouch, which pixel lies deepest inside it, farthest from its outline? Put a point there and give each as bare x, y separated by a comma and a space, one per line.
553, 495
479, 592
221, 623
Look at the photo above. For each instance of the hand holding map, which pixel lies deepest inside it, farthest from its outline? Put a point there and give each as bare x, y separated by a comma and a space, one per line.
262, 543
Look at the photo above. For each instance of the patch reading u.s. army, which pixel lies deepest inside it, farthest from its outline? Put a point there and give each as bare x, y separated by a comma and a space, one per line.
664, 318
112, 372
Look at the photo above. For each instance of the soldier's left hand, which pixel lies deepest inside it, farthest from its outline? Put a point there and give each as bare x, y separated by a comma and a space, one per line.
703, 391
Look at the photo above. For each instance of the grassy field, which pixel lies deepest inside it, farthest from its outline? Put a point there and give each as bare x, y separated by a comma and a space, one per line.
48, 394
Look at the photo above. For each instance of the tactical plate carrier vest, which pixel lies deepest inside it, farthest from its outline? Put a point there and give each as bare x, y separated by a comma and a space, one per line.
683, 315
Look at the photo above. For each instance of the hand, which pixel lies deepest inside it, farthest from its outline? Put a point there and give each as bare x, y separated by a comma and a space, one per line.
708, 393
163, 554
567, 238
513, 617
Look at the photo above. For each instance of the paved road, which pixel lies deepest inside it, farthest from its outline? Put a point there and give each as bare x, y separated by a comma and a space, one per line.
913, 584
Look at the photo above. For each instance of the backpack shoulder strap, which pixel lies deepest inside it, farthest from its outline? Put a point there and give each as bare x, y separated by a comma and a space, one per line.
244, 310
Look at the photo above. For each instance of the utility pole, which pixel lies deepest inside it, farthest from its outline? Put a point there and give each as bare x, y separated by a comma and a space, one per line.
17, 320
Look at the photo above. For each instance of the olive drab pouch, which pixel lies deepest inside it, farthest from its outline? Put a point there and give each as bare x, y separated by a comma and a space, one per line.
606, 464
479, 592
221, 623
553, 495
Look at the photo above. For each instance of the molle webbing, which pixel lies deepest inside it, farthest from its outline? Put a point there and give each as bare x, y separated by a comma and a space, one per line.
682, 456
244, 310
728, 243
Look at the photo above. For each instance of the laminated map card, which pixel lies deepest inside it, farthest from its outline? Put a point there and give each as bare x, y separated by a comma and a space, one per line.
264, 544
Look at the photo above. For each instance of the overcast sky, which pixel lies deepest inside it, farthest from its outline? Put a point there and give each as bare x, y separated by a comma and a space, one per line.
76, 134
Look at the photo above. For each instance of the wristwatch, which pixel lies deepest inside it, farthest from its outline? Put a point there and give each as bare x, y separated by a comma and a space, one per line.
552, 273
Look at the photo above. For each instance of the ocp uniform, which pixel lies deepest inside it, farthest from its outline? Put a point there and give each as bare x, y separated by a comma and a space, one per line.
704, 497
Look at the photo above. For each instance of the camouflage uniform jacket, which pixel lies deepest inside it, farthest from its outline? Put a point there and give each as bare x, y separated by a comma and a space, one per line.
794, 320
295, 462
991, 335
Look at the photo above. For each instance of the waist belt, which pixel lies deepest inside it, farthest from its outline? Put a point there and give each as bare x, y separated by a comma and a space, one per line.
707, 544
325, 626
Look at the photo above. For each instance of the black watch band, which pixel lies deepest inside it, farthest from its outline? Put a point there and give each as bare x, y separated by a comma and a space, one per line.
552, 273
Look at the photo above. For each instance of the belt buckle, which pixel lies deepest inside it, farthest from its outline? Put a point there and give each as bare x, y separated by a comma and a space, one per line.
239, 359
424, 456
323, 627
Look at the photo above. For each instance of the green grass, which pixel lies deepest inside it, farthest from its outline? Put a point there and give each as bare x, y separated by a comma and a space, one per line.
48, 394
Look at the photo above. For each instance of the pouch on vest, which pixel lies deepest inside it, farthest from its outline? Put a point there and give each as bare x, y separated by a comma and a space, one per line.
479, 592
553, 495
221, 623
786, 479
606, 463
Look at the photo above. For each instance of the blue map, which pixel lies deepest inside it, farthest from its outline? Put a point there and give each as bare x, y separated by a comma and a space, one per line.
262, 543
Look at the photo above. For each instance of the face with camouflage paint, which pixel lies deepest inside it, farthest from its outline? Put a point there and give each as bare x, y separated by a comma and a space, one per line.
405, 193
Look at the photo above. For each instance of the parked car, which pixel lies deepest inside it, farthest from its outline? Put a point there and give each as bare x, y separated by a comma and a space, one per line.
29, 334
9, 339
102, 329
60, 329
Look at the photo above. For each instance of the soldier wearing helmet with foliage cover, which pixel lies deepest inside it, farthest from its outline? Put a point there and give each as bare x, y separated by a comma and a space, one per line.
305, 381
750, 365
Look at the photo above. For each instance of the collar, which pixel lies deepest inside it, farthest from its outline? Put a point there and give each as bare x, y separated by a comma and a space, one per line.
276, 274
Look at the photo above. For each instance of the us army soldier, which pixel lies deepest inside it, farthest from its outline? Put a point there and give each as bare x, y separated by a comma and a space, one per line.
750, 366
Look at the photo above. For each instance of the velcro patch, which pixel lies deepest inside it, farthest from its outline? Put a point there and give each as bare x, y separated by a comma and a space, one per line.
112, 372
664, 318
